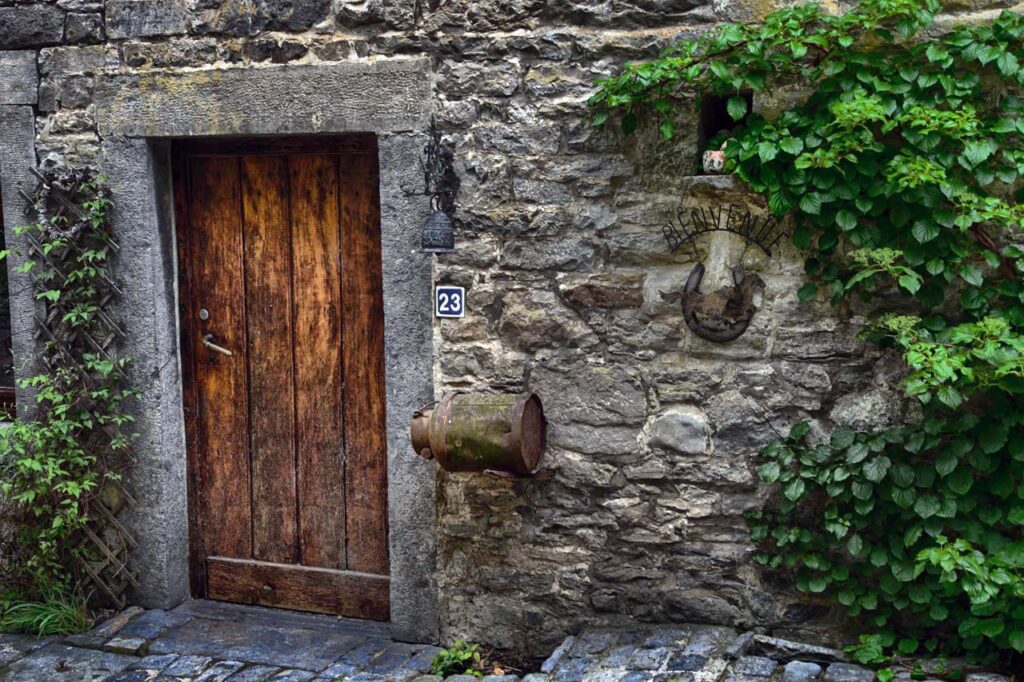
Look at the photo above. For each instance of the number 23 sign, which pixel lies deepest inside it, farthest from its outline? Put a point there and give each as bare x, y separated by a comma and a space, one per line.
449, 301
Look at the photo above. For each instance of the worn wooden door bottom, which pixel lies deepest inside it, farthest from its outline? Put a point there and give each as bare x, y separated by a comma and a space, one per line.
302, 588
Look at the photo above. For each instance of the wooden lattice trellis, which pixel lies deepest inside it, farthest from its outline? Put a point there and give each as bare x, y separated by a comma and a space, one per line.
102, 547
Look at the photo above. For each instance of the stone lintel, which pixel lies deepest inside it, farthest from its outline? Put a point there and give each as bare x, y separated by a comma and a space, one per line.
383, 96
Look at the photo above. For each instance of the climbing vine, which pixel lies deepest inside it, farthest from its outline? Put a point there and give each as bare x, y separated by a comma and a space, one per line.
901, 164
75, 441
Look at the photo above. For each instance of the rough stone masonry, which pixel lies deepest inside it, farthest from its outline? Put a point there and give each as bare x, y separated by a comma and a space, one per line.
653, 431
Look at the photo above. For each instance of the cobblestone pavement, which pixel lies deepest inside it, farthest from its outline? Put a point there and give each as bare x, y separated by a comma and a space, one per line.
704, 653
203, 641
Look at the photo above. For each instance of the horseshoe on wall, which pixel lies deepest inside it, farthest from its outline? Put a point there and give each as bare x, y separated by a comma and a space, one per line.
721, 315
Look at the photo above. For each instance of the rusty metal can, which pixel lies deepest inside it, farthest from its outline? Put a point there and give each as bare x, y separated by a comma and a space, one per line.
479, 432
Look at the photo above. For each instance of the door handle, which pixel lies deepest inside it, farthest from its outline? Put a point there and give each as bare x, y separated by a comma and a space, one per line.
208, 342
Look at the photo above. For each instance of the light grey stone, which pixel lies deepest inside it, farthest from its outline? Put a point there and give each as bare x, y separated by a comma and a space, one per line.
800, 671
786, 650
683, 429
19, 77
754, 666
556, 656
846, 672
389, 95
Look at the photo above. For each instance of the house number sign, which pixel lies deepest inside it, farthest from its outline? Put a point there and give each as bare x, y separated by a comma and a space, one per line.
449, 301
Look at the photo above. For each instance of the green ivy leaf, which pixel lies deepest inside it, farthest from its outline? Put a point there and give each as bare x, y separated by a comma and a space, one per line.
792, 145
877, 468
926, 506
960, 481
737, 107
846, 219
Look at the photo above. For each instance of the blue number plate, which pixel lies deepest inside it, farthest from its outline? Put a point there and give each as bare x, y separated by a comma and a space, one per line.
449, 302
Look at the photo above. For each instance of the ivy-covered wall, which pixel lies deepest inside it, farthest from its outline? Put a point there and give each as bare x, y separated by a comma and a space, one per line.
653, 431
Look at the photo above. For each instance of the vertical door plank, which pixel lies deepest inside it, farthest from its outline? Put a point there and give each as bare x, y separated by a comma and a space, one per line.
317, 291
216, 242
268, 292
363, 367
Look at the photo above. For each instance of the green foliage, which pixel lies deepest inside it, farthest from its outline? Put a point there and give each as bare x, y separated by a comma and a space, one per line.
902, 167
64, 449
58, 611
461, 658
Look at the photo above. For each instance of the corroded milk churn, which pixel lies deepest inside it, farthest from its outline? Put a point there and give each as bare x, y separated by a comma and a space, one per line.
501, 433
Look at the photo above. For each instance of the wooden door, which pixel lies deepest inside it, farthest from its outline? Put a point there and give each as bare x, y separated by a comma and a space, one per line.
282, 349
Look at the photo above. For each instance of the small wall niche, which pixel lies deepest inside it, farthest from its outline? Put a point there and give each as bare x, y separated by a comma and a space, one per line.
714, 118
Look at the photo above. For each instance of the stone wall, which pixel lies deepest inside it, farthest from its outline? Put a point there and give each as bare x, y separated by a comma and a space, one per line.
652, 430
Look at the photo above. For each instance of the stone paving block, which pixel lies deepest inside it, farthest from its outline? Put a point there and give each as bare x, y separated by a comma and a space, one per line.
286, 647
423, 658
686, 662
618, 657
637, 677
604, 676
986, 677
13, 647
536, 677
188, 666
154, 623
846, 672
740, 646
133, 676
573, 669
594, 642
62, 663
395, 656
155, 663
709, 640
462, 678
220, 671
800, 671
754, 666
293, 676
429, 678
124, 645
648, 659
556, 656
665, 637
254, 673
363, 655
340, 671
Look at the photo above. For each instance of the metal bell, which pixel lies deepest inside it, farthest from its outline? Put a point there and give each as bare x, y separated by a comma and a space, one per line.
438, 235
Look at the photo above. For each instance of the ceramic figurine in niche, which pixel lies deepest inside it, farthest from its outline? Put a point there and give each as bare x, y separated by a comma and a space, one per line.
713, 160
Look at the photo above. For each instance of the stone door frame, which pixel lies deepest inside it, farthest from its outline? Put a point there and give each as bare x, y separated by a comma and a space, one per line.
137, 115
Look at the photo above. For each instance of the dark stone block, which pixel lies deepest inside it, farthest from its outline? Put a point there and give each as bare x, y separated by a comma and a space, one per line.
396, 656
154, 663
800, 671
188, 666
84, 28
686, 662
30, 26
283, 645
648, 659
292, 15
144, 18
255, 673
60, 663
150, 624
845, 672
293, 676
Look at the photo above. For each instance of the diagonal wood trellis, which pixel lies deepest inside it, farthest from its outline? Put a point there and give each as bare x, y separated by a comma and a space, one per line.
103, 546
